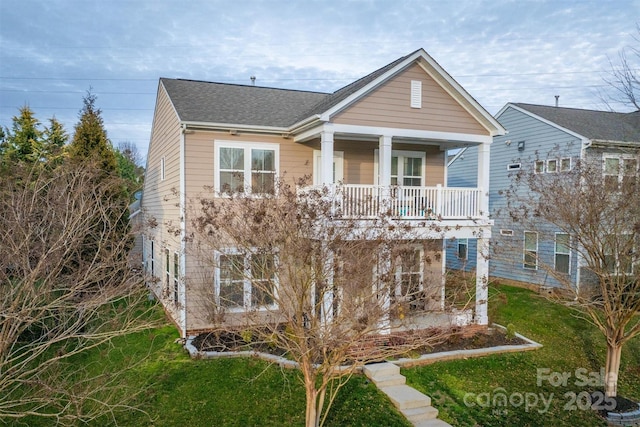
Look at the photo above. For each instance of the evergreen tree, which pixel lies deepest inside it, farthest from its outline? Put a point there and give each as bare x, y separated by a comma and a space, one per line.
24, 141
90, 140
55, 138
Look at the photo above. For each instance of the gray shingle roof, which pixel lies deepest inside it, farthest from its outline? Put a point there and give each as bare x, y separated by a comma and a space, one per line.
210, 102
595, 125
198, 101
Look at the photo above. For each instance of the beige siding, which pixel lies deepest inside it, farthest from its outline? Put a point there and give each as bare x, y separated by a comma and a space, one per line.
159, 202
389, 106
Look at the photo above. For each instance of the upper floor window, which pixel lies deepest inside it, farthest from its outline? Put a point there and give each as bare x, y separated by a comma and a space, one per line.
407, 168
249, 168
619, 170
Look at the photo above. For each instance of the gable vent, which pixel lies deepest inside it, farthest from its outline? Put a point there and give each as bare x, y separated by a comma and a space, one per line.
416, 94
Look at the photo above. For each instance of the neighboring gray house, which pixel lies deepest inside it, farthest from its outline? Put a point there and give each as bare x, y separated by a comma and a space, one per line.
551, 140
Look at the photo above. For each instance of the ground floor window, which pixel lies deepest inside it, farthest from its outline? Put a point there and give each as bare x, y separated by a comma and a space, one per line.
562, 253
463, 246
245, 280
409, 273
530, 255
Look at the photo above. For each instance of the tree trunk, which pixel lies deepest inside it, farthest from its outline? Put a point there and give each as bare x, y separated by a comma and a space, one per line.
611, 370
311, 416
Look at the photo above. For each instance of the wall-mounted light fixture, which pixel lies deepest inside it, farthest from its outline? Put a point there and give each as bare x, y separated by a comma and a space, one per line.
520, 145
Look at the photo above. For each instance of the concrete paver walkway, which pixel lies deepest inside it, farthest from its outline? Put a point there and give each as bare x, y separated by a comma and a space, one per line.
414, 405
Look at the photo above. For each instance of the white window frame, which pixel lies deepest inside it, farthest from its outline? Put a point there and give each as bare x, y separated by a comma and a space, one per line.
525, 250
555, 168
570, 164
176, 278
505, 232
567, 253
539, 163
514, 166
399, 273
401, 154
247, 147
247, 282
167, 270
152, 259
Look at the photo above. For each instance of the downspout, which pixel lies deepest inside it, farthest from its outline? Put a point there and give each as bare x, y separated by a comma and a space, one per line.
586, 143
183, 234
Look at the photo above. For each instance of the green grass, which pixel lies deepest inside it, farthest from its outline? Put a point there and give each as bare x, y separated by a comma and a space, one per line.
569, 343
175, 390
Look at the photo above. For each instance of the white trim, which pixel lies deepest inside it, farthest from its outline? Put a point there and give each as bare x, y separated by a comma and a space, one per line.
535, 166
182, 293
162, 168
247, 146
506, 232
403, 154
570, 164
555, 169
516, 166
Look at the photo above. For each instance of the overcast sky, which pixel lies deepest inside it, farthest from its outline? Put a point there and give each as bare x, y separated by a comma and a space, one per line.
53, 51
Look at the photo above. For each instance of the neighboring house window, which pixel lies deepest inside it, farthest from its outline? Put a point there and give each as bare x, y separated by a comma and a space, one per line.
162, 173
562, 253
463, 245
416, 94
530, 250
619, 170
539, 166
565, 164
618, 254
505, 232
176, 276
514, 166
245, 281
552, 166
249, 168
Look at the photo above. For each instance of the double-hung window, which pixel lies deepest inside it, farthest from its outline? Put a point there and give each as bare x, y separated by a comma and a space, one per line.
244, 167
618, 253
176, 276
463, 245
530, 255
245, 280
562, 253
620, 170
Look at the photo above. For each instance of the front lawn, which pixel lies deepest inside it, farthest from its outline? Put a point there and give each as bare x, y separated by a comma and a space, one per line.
473, 392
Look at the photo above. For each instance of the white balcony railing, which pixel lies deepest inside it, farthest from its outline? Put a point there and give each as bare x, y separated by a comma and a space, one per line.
442, 203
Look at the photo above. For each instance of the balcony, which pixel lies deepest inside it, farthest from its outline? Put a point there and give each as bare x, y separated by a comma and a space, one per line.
406, 203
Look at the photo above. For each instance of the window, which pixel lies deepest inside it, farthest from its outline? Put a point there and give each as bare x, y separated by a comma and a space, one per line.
504, 232
552, 166
176, 276
245, 281
565, 164
246, 167
408, 274
162, 174
618, 253
514, 166
152, 260
620, 170
463, 245
407, 168
562, 253
167, 270
530, 250
416, 94
539, 166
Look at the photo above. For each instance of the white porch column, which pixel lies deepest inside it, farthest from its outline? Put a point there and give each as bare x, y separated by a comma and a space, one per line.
483, 177
384, 290
482, 281
326, 158
384, 161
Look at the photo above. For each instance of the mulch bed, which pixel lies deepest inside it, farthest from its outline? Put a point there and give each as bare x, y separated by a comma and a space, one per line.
229, 341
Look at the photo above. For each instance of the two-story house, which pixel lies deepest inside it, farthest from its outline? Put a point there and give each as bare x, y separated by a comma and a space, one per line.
543, 140
388, 130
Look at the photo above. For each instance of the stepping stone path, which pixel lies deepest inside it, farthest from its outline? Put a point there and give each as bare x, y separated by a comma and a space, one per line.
415, 406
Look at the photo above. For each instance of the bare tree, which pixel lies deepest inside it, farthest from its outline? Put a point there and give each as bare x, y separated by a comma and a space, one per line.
293, 274
624, 77
64, 288
598, 217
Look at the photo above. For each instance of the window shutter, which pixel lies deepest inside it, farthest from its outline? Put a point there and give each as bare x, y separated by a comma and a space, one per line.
416, 94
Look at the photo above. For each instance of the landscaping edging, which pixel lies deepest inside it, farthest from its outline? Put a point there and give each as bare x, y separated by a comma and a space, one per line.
631, 418
424, 359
